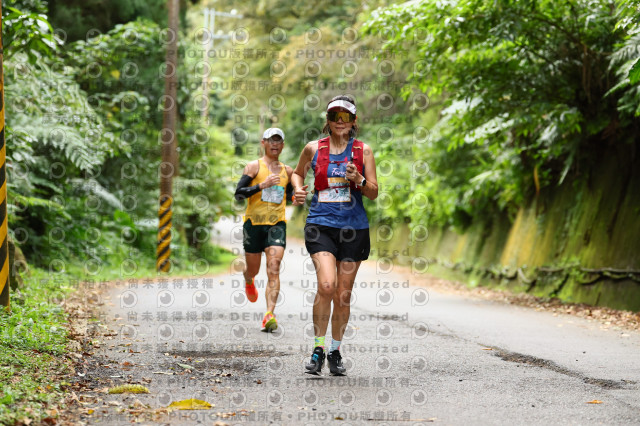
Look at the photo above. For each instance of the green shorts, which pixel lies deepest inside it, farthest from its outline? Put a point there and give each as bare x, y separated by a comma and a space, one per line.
258, 237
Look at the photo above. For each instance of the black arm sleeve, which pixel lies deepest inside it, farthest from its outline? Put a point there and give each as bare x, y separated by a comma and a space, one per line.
289, 191
243, 190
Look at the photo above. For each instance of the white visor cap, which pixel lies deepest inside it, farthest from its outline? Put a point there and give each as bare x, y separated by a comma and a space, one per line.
272, 132
342, 104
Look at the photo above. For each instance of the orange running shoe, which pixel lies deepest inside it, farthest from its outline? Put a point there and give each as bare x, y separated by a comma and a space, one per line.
251, 291
269, 322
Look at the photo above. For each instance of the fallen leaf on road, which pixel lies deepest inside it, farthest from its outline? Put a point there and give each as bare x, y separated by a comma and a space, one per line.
595, 401
190, 404
129, 389
163, 372
487, 349
186, 366
138, 405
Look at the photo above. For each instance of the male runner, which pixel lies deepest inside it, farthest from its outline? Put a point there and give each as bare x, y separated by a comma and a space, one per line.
264, 183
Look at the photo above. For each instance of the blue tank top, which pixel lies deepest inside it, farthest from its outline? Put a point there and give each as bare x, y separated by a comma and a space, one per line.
337, 206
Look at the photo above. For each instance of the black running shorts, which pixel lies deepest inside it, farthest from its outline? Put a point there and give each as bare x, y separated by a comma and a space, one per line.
346, 244
259, 237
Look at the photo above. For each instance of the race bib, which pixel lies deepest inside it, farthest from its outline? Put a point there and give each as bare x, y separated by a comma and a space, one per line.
273, 194
338, 191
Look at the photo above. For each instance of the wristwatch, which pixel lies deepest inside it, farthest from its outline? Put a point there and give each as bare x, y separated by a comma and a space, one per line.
364, 182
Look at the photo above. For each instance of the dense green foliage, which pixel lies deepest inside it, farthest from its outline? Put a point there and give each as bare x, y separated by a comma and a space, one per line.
82, 146
27, 30
532, 92
82, 19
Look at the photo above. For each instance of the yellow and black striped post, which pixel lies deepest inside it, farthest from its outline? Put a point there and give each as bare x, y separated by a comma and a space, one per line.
4, 226
163, 263
169, 142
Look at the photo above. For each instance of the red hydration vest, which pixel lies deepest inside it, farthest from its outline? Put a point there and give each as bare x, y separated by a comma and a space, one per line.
322, 162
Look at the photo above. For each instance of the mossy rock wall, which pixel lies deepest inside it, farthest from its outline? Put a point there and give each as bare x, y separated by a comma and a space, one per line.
589, 223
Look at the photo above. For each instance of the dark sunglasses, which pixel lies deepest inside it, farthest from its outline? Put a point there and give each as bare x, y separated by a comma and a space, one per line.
346, 116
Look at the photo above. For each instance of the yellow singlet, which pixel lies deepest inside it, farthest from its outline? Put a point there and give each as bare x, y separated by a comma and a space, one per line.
267, 206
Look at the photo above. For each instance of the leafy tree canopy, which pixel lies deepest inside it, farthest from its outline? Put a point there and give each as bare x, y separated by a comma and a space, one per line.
532, 90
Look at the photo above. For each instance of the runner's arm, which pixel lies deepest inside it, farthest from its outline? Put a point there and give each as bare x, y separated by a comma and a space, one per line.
304, 164
297, 177
289, 190
243, 190
370, 190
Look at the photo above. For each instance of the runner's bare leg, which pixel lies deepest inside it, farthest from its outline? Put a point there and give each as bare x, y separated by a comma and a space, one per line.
325, 264
342, 298
274, 258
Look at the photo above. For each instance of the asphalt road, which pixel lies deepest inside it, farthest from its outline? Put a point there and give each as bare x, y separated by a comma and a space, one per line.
413, 356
